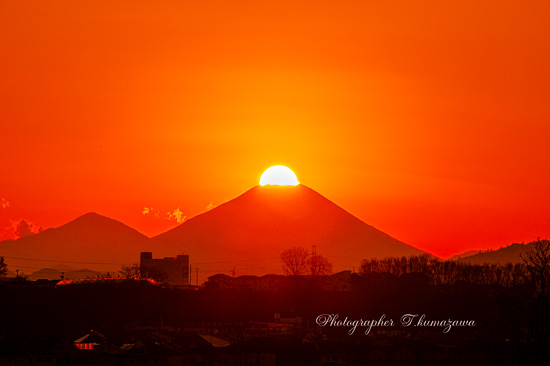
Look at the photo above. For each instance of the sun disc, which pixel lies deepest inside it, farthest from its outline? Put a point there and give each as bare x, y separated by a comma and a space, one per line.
279, 175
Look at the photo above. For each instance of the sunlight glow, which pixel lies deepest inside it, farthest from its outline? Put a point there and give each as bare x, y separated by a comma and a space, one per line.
279, 175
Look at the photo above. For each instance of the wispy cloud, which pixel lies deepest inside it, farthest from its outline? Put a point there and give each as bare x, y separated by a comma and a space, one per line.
151, 211
4, 203
176, 215
22, 228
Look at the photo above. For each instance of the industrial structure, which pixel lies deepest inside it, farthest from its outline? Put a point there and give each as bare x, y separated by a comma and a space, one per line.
169, 270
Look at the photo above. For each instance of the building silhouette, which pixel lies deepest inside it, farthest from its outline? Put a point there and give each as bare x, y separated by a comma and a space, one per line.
170, 270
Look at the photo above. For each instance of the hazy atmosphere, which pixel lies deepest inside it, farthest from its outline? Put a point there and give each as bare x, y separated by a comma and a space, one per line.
427, 120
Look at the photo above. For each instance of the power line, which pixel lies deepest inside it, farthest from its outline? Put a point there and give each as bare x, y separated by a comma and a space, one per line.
127, 264
238, 260
26, 267
59, 261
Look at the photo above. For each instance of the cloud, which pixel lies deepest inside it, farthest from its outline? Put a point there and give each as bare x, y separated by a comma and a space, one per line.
177, 215
151, 211
22, 228
210, 206
4, 203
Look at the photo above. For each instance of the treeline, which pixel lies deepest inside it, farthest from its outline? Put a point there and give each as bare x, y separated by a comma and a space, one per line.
441, 272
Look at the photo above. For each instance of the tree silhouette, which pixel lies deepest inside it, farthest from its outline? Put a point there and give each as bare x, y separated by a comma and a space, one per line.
449, 272
318, 265
156, 274
295, 261
129, 272
537, 262
3, 267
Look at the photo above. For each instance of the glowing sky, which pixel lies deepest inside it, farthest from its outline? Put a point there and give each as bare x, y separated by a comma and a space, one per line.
428, 119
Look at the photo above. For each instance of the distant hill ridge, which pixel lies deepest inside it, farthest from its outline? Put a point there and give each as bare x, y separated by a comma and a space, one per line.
55, 274
464, 255
509, 254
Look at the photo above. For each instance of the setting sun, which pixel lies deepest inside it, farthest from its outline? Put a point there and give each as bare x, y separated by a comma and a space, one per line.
279, 175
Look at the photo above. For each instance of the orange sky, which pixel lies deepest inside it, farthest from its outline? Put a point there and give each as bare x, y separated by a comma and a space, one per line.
428, 119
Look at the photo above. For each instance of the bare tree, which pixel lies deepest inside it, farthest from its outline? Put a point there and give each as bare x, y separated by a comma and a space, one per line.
155, 273
295, 261
3, 267
319, 265
369, 266
537, 262
129, 272
386, 265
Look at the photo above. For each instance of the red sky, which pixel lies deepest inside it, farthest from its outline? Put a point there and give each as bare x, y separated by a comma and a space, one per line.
428, 120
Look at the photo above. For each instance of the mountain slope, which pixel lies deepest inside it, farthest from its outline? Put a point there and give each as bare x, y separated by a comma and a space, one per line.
55, 274
92, 239
251, 231
509, 254
468, 253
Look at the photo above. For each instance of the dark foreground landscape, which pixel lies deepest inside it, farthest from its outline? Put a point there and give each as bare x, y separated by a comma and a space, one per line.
232, 322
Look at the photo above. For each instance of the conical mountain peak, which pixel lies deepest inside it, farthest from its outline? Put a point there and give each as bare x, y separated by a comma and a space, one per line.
265, 220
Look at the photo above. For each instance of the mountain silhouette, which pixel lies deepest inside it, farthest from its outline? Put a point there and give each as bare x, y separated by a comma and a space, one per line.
465, 254
251, 231
509, 254
55, 274
97, 241
247, 234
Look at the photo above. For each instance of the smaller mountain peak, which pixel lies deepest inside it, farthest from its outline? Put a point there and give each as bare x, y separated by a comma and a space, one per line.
92, 219
95, 222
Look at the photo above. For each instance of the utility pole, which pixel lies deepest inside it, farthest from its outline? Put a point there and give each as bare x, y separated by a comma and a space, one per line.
17, 273
233, 271
313, 260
